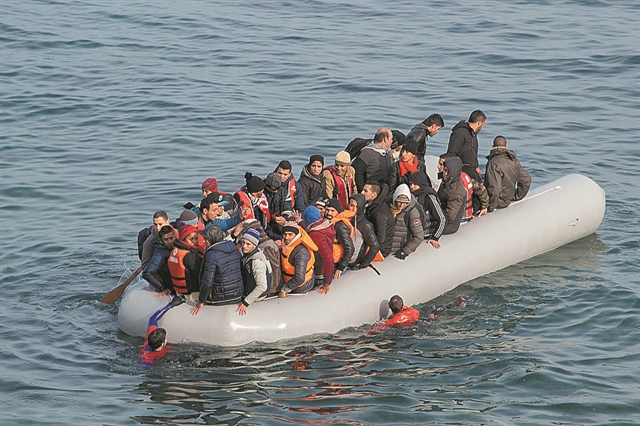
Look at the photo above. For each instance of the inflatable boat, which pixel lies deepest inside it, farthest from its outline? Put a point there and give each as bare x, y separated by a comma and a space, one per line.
550, 216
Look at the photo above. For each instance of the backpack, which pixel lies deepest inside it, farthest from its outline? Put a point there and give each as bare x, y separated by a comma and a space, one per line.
355, 147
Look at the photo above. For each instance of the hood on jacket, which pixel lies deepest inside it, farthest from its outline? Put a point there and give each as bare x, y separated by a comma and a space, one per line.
213, 234
381, 198
454, 165
462, 124
305, 172
402, 190
419, 178
359, 198
500, 151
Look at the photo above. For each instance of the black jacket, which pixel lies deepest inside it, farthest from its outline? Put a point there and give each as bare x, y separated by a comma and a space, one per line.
312, 187
379, 214
453, 196
395, 179
370, 246
343, 235
420, 134
462, 138
434, 220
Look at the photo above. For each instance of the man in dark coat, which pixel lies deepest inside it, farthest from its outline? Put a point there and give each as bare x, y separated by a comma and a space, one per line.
406, 165
374, 161
434, 220
370, 246
312, 180
422, 131
464, 135
379, 214
506, 180
452, 194
156, 272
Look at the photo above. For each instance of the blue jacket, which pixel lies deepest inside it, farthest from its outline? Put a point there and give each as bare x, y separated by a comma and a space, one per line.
221, 274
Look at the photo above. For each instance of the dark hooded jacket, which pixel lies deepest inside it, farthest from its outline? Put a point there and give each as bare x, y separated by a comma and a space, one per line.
396, 179
462, 138
221, 279
453, 196
379, 214
426, 196
408, 230
370, 246
420, 134
156, 272
312, 187
505, 179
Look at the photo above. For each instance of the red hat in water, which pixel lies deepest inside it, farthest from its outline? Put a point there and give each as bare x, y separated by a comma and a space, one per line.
187, 230
210, 184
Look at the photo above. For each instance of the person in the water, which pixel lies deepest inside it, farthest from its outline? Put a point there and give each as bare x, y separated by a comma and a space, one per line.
155, 344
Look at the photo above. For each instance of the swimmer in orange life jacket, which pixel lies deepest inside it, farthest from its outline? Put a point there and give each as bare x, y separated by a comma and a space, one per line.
401, 314
155, 345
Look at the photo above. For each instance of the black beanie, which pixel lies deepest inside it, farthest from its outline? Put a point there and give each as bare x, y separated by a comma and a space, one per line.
411, 146
335, 204
399, 139
420, 178
319, 158
254, 183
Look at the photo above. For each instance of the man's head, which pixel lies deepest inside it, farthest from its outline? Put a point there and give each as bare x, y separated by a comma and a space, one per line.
434, 123
442, 159
272, 182
208, 186
157, 339
332, 209
250, 240
212, 234
255, 185
477, 120
316, 163
284, 170
371, 190
320, 205
396, 304
289, 231
167, 236
353, 205
409, 151
311, 215
212, 206
383, 138
418, 180
160, 219
499, 142
189, 234
342, 162
402, 196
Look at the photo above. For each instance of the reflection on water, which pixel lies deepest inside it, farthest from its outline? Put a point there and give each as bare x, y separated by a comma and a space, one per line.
450, 364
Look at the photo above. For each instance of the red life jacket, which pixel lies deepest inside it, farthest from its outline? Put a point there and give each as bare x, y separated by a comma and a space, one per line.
343, 188
147, 354
468, 185
407, 315
263, 205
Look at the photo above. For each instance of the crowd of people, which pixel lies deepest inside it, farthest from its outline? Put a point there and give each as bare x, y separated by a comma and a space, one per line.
280, 235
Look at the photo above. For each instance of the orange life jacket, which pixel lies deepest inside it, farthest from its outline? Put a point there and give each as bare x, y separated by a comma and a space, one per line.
407, 315
345, 217
289, 270
343, 189
178, 270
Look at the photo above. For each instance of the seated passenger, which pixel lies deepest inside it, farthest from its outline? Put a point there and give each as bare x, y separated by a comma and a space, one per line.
312, 180
145, 236
506, 180
322, 233
272, 185
407, 164
452, 194
184, 264
156, 272
422, 131
343, 243
297, 260
252, 200
256, 271
408, 233
370, 246
378, 213
479, 196
208, 186
211, 210
321, 204
399, 139
340, 179
221, 279
434, 220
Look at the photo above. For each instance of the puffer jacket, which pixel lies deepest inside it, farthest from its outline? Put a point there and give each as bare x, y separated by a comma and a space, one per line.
462, 138
312, 187
221, 279
370, 246
379, 214
408, 231
453, 196
505, 179
322, 233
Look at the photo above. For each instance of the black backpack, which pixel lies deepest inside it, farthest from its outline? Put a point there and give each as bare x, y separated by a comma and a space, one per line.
355, 147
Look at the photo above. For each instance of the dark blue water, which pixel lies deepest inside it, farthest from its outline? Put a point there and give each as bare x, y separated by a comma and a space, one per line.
110, 111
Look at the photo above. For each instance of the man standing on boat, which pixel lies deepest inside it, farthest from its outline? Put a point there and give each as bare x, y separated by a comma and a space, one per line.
422, 131
506, 180
464, 135
375, 160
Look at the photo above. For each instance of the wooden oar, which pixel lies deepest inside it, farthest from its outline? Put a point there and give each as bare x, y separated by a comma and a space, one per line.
111, 297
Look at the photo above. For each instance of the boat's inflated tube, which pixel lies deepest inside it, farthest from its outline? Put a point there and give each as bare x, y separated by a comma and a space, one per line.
550, 216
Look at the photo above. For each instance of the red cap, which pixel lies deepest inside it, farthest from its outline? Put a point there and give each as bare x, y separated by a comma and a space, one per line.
187, 230
210, 184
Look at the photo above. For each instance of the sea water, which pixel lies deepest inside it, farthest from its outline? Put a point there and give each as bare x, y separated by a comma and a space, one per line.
113, 110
